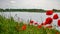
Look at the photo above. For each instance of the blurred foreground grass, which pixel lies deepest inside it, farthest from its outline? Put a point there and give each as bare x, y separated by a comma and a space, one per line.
9, 26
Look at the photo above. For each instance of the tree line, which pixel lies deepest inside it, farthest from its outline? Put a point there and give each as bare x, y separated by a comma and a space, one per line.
26, 10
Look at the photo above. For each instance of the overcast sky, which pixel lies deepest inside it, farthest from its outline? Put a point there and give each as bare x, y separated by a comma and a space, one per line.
30, 4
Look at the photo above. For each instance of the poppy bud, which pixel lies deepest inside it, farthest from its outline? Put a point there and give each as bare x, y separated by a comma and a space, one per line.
55, 16
49, 12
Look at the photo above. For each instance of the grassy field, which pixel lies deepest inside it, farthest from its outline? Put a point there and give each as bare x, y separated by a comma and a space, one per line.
9, 26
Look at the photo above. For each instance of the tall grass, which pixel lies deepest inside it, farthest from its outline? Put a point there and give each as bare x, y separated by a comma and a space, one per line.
10, 26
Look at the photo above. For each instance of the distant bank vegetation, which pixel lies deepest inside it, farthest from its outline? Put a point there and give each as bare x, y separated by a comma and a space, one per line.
26, 10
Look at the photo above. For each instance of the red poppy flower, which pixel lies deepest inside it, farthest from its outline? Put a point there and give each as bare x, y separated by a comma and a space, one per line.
24, 27
39, 26
58, 22
48, 20
36, 23
49, 12
31, 21
55, 16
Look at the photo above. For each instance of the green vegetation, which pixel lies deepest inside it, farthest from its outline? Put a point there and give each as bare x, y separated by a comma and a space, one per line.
26, 10
9, 26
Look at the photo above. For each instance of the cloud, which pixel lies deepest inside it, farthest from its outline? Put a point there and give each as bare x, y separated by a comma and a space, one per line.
31, 4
